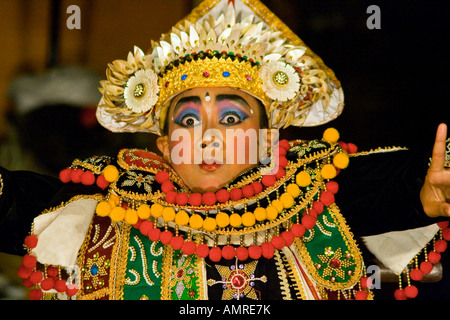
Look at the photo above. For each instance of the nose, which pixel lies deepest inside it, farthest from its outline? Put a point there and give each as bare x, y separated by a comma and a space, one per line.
214, 144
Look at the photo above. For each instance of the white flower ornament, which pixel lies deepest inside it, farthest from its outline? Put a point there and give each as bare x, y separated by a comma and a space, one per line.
141, 91
280, 80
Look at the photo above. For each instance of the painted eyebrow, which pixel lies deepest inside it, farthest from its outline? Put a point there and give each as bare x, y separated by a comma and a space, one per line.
184, 100
235, 98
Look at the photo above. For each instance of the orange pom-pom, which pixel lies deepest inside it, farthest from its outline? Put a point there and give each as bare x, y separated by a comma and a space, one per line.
29, 261
101, 182
308, 222
165, 237
167, 186
248, 191
352, 148
23, 272
366, 282
176, 242
332, 186
145, 227
327, 198
181, 198
71, 289
188, 247
411, 292
434, 257
284, 144
288, 237
65, 175
278, 242
416, 274
242, 253
222, 195
318, 206
268, 180
36, 294
36, 276
202, 250
52, 272
426, 267
60, 285
440, 245
47, 284
361, 295
254, 252
75, 175
257, 186
399, 294
87, 178
267, 250
228, 252
235, 194
31, 241
161, 176
298, 230
195, 199
215, 254
209, 198
154, 234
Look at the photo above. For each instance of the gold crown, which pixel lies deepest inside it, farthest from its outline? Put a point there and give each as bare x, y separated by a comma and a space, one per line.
220, 46
208, 70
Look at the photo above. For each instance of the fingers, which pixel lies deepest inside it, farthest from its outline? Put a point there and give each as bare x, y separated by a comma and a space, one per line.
438, 155
438, 209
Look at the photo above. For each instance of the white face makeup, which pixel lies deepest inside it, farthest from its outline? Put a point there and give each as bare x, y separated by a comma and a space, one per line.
211, 129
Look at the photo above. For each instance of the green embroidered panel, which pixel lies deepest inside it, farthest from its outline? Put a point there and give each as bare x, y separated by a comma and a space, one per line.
184, 278
144, 266
330, 252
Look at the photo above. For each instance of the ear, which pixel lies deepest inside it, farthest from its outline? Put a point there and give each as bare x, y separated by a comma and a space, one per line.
272, 137
163, 146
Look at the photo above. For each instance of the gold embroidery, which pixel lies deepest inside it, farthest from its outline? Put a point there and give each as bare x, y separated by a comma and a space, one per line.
351, 245
284, 285
119, 261
166, 289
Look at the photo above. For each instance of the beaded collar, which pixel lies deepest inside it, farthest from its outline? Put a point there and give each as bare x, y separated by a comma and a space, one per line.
263, 209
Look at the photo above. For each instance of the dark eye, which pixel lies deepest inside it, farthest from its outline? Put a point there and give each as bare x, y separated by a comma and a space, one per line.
231, 119
189, 121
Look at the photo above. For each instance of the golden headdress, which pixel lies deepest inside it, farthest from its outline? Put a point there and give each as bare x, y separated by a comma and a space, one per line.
222, 43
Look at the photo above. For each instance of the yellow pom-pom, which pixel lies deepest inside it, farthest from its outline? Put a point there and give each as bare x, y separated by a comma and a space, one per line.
168, 214
278, 205
111, 173
287, 200
156, 210
131, 216
341, 160
114, 200
182, 218
328, 171
293, 190
117, 214
248, 219
331, 135
260, 214
222, 219
209, 224
303, 179
235, 220
143, 211
272, 213
103, 208
196, 221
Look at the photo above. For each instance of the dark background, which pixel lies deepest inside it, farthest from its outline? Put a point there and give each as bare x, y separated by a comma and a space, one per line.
395, 79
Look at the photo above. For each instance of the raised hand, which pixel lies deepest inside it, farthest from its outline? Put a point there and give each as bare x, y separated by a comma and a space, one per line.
435, 193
